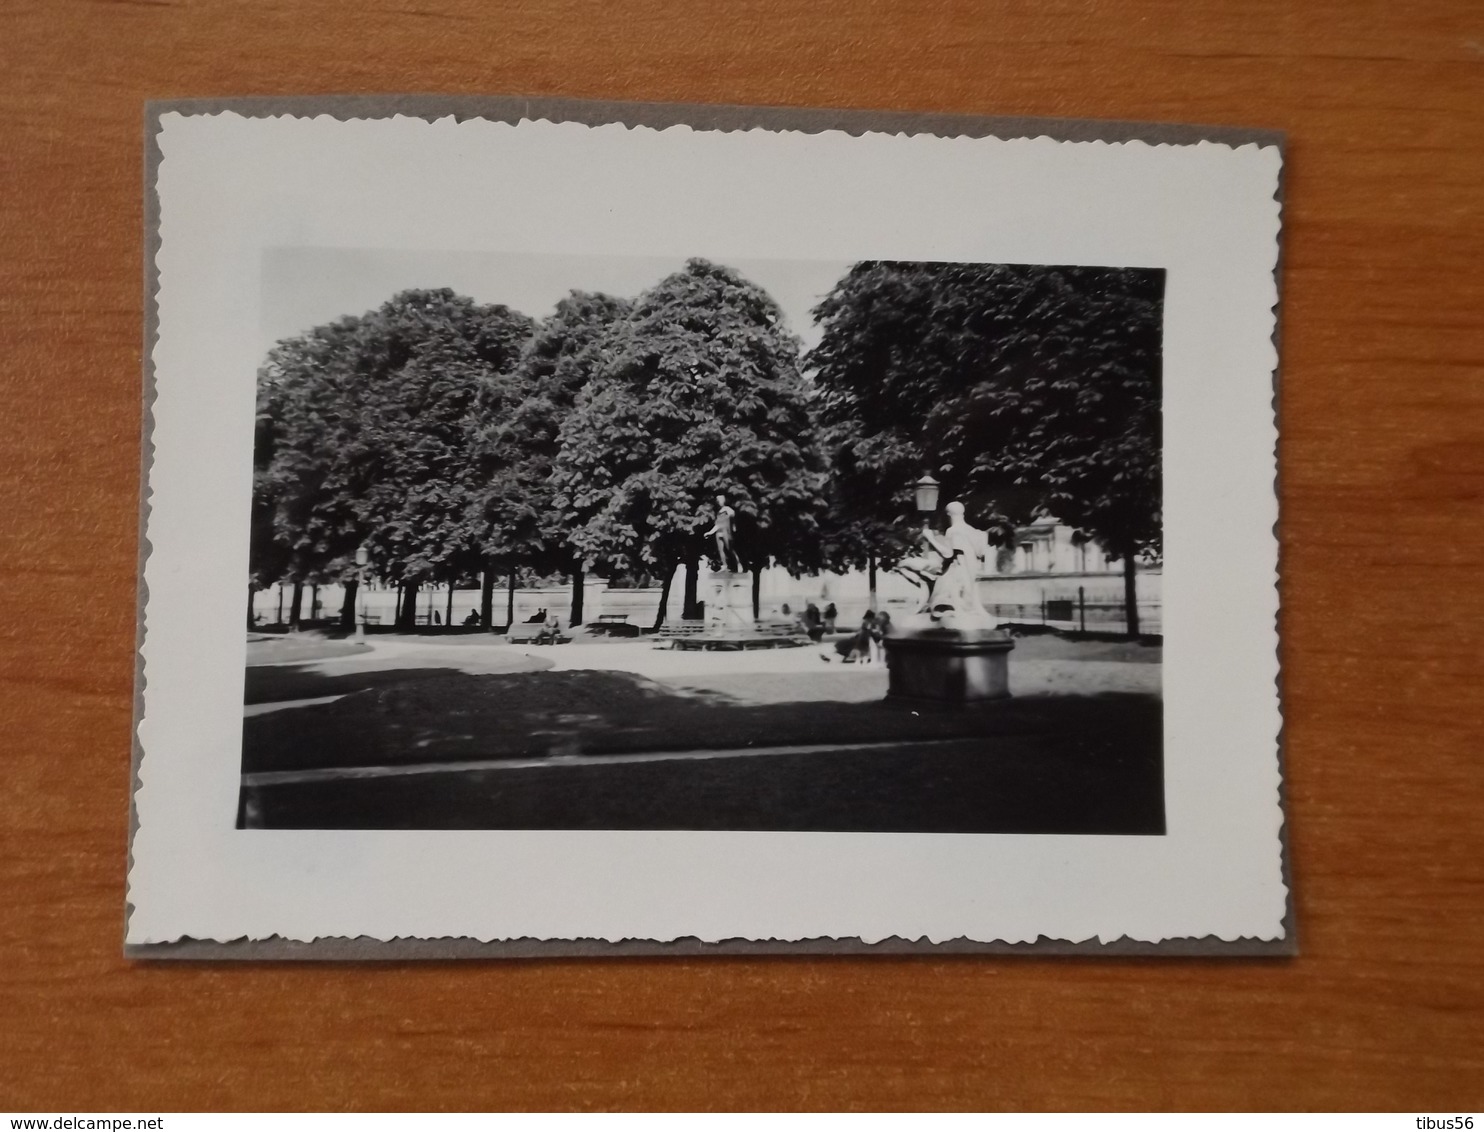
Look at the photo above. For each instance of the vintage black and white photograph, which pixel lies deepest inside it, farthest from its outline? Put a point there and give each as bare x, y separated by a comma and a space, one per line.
630, 544
566, 528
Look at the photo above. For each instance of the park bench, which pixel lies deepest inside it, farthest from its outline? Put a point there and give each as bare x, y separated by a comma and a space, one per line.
614, 625
781, 628
779, 632
528, 633
762, 634
671, 630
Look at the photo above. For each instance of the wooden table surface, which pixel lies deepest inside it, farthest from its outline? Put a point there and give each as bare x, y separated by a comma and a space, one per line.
1383, 540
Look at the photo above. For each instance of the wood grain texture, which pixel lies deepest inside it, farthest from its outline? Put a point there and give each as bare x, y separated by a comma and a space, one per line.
1382, 490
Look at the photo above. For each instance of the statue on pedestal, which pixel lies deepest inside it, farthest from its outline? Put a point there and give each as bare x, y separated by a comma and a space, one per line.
950, 652
958, 589
721, 531
926, 567
949, 567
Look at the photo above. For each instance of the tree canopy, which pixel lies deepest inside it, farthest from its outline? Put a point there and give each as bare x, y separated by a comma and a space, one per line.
306, 522
519, 448
696, 393
1024, 390
368, 433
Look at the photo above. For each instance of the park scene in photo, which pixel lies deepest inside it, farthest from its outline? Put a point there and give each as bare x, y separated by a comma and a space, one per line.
551, 542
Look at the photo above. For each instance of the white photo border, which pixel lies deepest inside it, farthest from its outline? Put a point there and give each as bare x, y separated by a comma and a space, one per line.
231, 179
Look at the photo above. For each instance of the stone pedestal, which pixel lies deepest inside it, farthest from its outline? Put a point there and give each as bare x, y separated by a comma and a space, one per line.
948, 666
728, 599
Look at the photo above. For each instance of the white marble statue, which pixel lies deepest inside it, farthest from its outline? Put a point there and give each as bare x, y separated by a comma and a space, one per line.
949, 566
959, 585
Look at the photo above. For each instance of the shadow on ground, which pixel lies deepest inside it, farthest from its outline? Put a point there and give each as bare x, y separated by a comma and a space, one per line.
433, 715
1047, 764
285, 683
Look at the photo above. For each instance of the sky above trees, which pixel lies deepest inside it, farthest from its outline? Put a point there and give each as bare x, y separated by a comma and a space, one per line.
307, 287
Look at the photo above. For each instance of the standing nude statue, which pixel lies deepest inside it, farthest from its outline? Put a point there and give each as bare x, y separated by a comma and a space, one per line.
721, 531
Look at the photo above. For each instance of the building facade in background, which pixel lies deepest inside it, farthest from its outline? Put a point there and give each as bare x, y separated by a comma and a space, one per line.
1054, 575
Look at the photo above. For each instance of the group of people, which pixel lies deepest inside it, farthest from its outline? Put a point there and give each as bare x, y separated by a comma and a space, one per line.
816, 623
866, 645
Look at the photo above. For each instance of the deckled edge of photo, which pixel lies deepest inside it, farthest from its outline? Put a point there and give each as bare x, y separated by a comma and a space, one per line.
658, 115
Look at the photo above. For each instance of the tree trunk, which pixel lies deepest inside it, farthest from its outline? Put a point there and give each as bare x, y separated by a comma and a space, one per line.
296, 605
408, 618
252, 621
1130, 593
487, 598
448, 613
757, 592
510, 603
690, 604
578, 580
664, 609
871, 579
314, 602
348, 606
280, 603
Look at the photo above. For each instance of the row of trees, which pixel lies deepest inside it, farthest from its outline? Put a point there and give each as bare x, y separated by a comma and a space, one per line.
453, 439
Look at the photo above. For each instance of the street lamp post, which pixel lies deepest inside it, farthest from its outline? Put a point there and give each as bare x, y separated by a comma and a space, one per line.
926, 490
363, 556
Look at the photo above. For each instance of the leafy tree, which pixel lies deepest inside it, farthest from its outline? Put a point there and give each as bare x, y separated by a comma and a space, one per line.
1025, 390
367, 435
695, 393
443, 367
519, 449
305, 523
